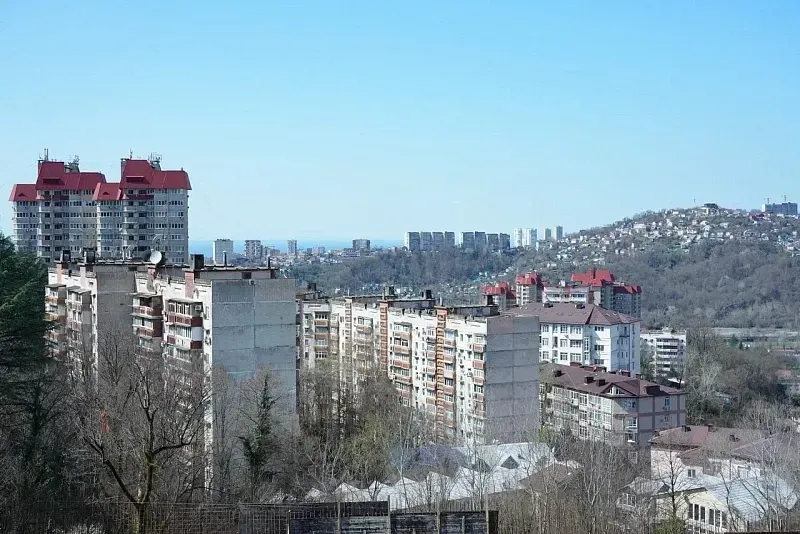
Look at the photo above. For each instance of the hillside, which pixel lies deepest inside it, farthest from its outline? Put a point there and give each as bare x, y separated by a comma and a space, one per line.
714, 267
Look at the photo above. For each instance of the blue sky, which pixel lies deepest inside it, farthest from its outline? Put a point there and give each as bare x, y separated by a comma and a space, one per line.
366, 119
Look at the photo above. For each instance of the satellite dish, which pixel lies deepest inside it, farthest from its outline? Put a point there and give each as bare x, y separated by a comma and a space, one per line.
157, 258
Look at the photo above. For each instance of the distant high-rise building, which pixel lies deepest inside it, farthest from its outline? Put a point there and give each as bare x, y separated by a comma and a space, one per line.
468, 240
504, 242
438, 240
253, 250
318, 251
481, 242
548, 234
412, 241
492, 242
223, 251
559, 233
524, 238
361, 245
291, 247
785, 208
450, 239
426, 241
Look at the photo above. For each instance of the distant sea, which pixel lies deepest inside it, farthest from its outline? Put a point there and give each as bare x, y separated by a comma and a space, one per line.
206, 246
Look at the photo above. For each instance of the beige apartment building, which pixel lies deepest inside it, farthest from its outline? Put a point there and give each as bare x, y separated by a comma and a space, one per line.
70, 210
617, 407
473, 370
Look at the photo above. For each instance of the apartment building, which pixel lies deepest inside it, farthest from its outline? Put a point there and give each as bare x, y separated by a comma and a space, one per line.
500, 295
240, 319
585, 334
473, 370
524, 238
70, 210
607, 292
222, 252
613, 407
467, 240
548, 234
559, 233
668, 350
529, 288
253, 250
481, 241
291, 247
783, 208
412, 241
361, 245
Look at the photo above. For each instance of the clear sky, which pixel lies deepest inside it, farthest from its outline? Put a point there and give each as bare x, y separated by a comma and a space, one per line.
338, 119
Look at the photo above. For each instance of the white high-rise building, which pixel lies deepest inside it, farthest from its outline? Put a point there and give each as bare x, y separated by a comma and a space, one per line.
473, 370
524, 238
668, 349
71, 210
223, 251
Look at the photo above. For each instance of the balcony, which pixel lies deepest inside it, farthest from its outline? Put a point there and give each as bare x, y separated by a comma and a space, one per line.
399, 349
321, 322
78, 325
55, 317
78, 305
147, 311
450, 343
477, 364
56, 336
400, 334
364, 328
400, 363
55, 300
147, 331
478, 347
186, 320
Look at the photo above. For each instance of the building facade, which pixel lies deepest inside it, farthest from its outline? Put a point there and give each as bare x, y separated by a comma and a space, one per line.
362, 245
559, 233
529, 288
783, 208
71, 210
548, 234
668, 350
586, 335
291, 247
412, 241
223, 251
253, 250
524, 238
469, 369
616, 408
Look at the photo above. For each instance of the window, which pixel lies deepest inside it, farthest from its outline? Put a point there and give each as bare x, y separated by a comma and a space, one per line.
545, 328
576, 330
666, 403
599, 348
563, 356
599, 328
564, 329
629, 404
564, 343
545, 341
691, 473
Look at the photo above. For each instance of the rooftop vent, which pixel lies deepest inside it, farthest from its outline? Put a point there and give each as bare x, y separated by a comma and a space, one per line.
557, 372
588, 380
579, 305
687, 428
601, 382
548, 304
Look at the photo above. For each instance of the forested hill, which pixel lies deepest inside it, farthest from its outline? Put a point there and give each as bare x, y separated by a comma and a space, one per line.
718, 284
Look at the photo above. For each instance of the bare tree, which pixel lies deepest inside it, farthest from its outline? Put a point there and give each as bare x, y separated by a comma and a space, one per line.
143, 421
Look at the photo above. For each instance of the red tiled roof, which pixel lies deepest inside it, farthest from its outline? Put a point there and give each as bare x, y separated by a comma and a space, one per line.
140, 174
530, 279
54, 175
569, 313
625, 288
22, 192
107, 191
593, 277
501, 288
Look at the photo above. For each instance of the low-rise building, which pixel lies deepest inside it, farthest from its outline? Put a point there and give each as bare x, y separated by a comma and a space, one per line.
529, 288
585, 335
223, 251
616, 408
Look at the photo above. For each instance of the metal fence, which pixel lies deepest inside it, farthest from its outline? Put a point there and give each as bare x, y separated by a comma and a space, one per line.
194, 518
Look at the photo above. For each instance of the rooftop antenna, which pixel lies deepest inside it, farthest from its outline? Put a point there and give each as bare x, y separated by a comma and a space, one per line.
46, 155
784, 198
130, 153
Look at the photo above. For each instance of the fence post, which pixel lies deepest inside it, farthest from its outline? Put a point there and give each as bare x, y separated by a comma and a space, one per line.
388, 514
338, 516
463, 530
289, 521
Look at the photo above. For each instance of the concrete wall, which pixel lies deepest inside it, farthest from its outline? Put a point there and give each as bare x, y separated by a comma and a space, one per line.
253, 326
512, 377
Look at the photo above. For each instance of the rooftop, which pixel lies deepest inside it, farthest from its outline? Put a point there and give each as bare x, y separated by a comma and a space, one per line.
592, 379
576, 314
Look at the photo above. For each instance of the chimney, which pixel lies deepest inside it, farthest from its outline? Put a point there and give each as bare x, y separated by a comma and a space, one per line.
198, 262
601, 382
624, 372
588, 379
428, 294
687, 428
557, 372
225, 259
488, 300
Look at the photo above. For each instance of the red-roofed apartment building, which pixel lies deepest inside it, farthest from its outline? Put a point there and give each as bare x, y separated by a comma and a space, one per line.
69, 210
